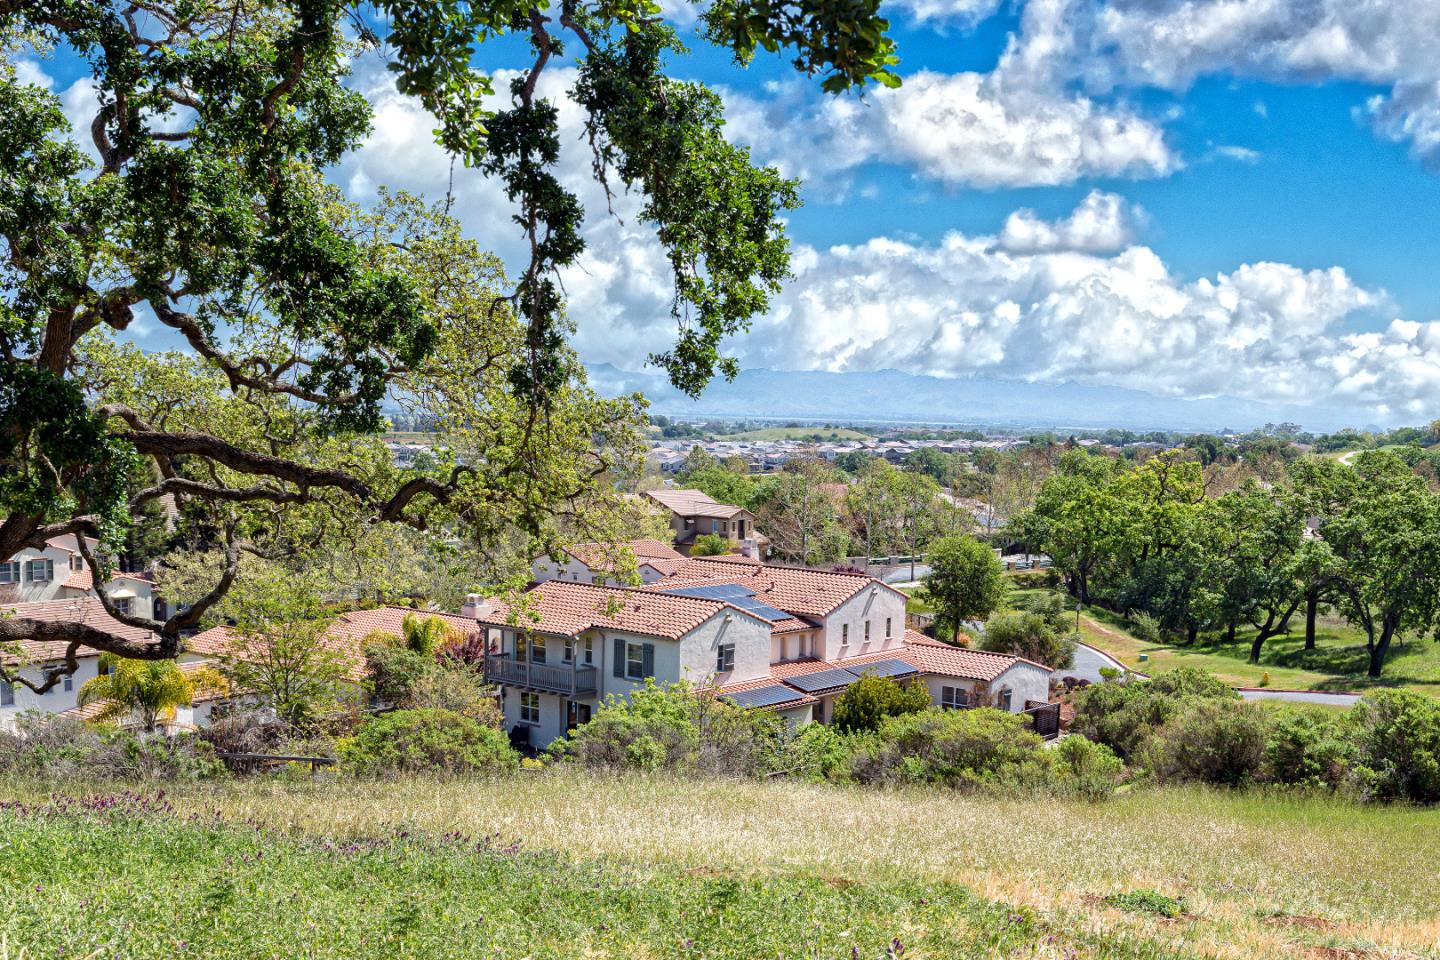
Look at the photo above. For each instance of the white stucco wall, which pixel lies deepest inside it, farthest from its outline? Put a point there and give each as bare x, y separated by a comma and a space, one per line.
751, 637
56, 700
1026, 682
30, 591
567, 568
874, 603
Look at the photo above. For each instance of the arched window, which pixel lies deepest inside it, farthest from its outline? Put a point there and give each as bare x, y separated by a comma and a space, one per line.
1004, 699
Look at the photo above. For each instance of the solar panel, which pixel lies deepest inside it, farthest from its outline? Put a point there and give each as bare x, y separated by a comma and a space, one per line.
884, 668
763, 696
734, 593
822, 680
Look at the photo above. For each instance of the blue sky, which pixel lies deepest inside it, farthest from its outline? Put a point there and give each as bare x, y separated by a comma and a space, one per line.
1190, 197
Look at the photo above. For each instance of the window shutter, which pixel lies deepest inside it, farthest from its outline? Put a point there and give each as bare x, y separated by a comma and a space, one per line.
648, 653
619, 657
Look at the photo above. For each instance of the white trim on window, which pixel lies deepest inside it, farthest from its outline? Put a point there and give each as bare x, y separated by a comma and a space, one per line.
530, 708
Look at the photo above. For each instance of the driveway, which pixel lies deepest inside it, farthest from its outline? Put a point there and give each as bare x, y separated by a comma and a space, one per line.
901, 574
1089, 661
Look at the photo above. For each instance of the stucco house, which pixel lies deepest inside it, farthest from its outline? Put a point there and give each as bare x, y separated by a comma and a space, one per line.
58, 572
598, 562
787, 639
694, 513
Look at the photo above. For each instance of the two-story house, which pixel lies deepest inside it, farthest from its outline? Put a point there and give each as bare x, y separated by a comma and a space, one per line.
58, 572
600, 562
569, 645
695, 514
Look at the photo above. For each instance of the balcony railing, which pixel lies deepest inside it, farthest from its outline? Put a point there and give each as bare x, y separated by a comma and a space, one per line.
574, 681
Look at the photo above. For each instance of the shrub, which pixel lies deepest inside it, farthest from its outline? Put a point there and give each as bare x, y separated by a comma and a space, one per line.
1144, 627
457, 689
56, 747
1029, 635
1124, 715
710, 545
1148, 901
1214, 741
1307, 748
394, 671
1086, 768
425, 741
1048, 577
953, 747
871, 699
672, 727
1397, 742
817, 752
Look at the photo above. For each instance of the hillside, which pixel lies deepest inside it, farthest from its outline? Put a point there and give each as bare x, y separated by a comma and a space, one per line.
562, 864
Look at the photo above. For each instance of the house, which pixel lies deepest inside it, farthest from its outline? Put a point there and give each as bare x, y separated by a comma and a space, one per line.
570, 645
598, 562
788, 639
58, 572
693, 514
35, 659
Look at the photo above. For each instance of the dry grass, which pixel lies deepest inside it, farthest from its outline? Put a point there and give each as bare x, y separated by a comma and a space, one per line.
1263, 875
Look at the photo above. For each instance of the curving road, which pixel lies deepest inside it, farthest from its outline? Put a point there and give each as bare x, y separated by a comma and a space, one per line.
1090, 660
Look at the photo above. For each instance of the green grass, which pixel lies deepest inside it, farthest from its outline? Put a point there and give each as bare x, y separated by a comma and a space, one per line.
577, 865
1339, 661
798, 433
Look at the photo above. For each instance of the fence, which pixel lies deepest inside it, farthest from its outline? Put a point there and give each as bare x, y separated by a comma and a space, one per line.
1044, 718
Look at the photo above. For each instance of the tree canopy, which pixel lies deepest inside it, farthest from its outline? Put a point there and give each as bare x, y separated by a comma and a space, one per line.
205, 209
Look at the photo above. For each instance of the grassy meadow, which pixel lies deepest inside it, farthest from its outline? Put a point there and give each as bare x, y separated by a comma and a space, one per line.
568, 864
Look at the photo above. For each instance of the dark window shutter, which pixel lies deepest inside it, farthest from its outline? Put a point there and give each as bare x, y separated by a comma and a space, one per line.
619, 657
648, 653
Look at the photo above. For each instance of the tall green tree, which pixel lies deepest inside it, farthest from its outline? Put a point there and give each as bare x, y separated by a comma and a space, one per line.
966, 582
213, 124
1076, 519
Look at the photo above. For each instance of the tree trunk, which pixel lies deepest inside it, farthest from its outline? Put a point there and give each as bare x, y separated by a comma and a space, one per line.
1312, 605
1256, 644
1230, 632
1380, 649
1192, 633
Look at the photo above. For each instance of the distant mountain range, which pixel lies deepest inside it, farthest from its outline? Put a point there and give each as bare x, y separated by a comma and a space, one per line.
890, 396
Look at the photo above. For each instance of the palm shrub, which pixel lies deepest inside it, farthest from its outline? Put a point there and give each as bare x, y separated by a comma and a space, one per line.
148, 690
425, 741
871, 699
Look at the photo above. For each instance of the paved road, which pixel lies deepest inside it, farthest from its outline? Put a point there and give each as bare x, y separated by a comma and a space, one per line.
902, 574
1089, 661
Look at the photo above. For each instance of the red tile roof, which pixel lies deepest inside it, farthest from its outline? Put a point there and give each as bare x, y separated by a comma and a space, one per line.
79, 580
86, 610
568, 609
797, 590
693, 503
925, 655
644, 549
346, 635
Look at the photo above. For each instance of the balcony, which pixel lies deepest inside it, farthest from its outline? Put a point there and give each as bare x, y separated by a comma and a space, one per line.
571, 680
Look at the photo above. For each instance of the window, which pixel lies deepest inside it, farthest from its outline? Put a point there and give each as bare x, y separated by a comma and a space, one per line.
7, 694
40, 570
589, 648
567, 655
954, 698
867, 631
68, 683
714, 526
122, 604
635, 661
725, 658
10, 571
530, 648
1005, 699
844, 634
887, 628
77, 562
530, 708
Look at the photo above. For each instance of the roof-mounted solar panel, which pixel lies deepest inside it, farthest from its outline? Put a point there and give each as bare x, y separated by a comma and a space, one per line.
771, 696
822, 680
884, 668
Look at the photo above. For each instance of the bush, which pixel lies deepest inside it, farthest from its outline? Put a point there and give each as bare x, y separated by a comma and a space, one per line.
457, 689
818, 752
1124, 715
1148, 901
710, 545
672, 727
1307, 748
425, 741
1397, 746
1029, 635
55, 747
871, 699
1048, 577
1086, 768
1213, 741
1144, 627
953, 747
394, 671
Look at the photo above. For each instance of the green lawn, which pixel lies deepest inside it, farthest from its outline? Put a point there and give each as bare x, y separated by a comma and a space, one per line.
1338, 662
798, 433
565, 864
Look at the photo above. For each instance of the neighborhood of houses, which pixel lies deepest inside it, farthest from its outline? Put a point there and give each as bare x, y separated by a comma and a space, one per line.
762, 635
767, 456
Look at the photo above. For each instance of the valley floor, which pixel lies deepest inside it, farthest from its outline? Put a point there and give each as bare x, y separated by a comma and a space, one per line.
567, 864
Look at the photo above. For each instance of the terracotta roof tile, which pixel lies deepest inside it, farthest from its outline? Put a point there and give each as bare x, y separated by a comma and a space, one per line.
85, 610
797, 590
646, 548
568, 609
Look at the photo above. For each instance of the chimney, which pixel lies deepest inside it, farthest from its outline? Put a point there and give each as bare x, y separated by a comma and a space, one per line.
476, 606
748, 548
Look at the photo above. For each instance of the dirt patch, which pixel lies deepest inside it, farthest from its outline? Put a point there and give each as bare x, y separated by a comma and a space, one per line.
1344, 953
